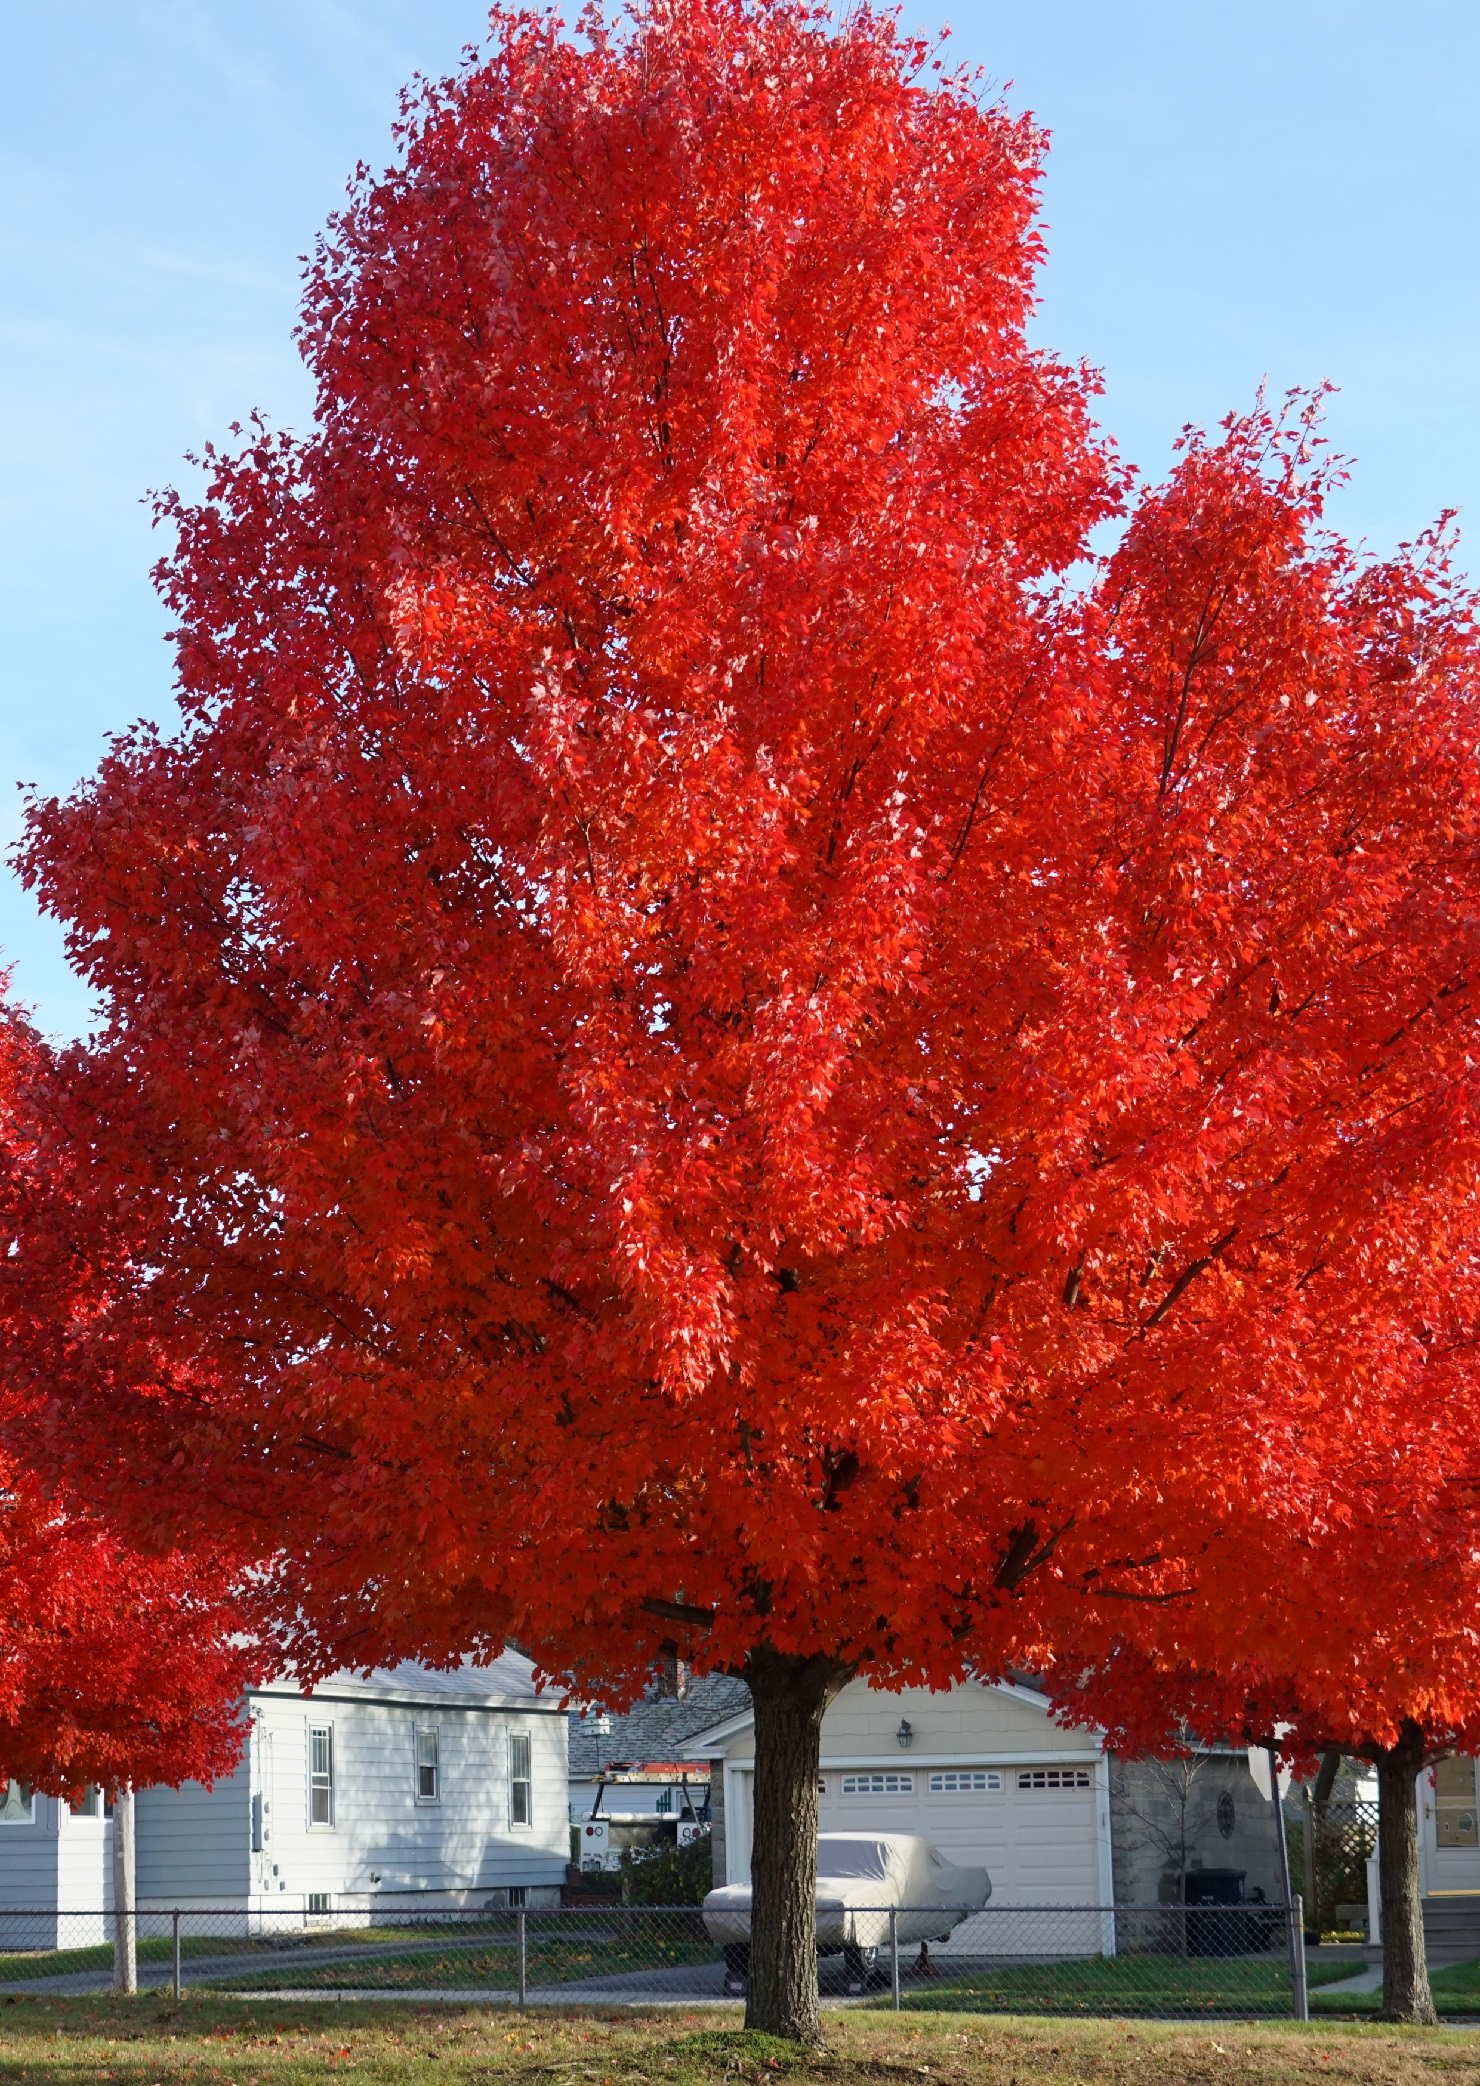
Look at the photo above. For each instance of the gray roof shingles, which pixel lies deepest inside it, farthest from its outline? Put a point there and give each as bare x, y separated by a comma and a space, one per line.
655, 1728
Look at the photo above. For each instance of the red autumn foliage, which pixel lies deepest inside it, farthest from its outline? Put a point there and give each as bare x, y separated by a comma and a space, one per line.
115, 1667
694, 1045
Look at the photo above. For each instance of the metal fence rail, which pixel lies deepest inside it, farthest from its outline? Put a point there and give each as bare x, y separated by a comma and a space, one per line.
1168, 1960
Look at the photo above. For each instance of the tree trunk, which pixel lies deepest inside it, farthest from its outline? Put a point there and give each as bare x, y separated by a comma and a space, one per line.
790, 1695
125, 1939
1405, 1972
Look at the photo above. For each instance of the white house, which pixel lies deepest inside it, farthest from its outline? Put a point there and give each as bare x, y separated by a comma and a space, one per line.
369, 1790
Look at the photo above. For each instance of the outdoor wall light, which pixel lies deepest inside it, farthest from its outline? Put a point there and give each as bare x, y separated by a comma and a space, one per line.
905, 1735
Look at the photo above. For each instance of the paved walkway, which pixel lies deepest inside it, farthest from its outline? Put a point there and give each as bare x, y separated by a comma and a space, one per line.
1368, 1980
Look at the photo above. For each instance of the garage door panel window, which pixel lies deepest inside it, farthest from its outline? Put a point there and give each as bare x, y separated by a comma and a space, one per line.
878, 1785
964, 1781
1053, 1778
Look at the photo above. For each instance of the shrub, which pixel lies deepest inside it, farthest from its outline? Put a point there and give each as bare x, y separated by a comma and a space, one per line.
667, 1875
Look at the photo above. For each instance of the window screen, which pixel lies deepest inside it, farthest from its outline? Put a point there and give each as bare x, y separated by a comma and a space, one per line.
520, 1809
321, 1775
428, 1785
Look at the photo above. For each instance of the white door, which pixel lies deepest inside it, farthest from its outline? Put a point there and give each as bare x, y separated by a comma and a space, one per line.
1450, 1826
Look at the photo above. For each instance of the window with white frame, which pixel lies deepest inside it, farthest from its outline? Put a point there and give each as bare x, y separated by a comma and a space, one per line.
428, 1767
321, 1774
965, 1781
17, 1804
90, 1805
1054, 1778
521, 1809
878, 1785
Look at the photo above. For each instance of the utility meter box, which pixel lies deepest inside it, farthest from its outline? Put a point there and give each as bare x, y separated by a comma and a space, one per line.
596, 1847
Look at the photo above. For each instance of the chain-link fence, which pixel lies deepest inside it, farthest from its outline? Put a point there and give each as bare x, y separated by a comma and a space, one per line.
1171, 1960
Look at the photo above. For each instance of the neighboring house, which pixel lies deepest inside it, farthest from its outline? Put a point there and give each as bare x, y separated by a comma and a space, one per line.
53, 1857
632, 1783
370, 1790
988, 1776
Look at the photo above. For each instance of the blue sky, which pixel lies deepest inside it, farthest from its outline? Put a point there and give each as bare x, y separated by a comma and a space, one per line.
1235, 191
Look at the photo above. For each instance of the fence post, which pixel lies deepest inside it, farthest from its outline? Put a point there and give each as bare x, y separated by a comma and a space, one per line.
523, 1954
1299, 1994
175, 1949
894, 1954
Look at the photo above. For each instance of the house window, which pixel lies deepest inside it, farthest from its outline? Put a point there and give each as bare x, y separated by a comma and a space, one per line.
965, 1781
18, 1806
318, 1901
521, 1811
321, 1774
1054, 1778
428, 1784
91, 1805
878, 1785
1454, 1803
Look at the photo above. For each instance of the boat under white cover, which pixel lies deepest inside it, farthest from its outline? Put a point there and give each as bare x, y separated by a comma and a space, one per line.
860, 1877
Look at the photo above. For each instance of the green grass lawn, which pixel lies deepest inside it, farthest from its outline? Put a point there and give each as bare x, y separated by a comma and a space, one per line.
63, 1962
1123, 1985
1456, 1990
551, 1959
211, 2041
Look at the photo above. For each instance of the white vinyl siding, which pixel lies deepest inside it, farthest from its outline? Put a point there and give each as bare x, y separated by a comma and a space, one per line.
193, 1842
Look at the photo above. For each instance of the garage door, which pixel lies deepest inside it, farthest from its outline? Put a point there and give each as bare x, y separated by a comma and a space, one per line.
1032, 1828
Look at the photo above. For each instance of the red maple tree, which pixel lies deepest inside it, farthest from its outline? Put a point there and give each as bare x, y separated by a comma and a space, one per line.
117, 1668
1364, 1640
696, 1050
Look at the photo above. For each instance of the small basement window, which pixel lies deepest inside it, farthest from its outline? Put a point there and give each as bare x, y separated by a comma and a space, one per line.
521, 1809
428, 1771
1054, 1778
318, 1901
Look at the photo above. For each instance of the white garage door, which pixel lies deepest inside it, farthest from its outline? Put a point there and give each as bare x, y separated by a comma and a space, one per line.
1031, 1828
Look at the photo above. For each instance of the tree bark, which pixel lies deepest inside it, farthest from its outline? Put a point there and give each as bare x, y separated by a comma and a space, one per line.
125, 1937
1405, 1972
790, 1694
